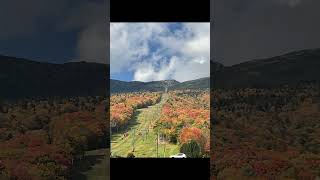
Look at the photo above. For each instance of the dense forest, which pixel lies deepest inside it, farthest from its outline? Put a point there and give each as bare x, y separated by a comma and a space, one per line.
185, 117
44, 138
269, 133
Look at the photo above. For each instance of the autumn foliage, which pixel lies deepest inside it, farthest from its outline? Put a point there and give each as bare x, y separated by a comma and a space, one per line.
266, 133
41, 138
123, 106
186, 116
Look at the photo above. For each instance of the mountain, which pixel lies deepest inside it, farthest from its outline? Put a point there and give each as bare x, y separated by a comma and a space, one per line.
117, 86
288, 69
201, 83
21, 78
215, 67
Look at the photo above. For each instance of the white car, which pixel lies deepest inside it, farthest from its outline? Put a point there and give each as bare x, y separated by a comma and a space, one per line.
179, 155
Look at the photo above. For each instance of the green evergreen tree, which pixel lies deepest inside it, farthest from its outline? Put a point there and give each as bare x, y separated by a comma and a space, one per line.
191, 149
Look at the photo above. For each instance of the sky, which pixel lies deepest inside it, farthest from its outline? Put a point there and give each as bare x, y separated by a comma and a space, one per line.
56, 31
77, 30
244, 30
159, 51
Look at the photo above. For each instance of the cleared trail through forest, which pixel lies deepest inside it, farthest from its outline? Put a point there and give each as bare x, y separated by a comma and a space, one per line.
142, 136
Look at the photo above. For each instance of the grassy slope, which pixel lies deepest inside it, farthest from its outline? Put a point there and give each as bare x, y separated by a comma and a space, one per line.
145, 146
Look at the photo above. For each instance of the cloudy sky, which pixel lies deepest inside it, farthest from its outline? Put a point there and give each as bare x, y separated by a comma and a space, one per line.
67, 30
248, 29
159, 51
55, 31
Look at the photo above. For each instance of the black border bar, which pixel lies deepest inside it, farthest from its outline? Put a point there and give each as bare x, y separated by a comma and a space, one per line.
159, 11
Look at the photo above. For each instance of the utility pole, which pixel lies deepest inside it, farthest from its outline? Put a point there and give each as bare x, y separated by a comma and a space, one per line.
164, 147
157, 142
133, 139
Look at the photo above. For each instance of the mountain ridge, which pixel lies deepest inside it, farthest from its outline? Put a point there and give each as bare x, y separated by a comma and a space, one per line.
22, 78
118, 86
287, 69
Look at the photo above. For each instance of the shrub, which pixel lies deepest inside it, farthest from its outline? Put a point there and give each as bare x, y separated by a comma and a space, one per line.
191, 149
130, 155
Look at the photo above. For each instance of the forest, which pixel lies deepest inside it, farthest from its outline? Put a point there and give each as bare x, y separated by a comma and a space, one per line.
174, 119
122, 107
185, 117
44, 138
270, 133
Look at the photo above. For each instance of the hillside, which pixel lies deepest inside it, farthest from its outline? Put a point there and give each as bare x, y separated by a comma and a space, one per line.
25, 78
265, 118
117, 86
288, 69
201, 83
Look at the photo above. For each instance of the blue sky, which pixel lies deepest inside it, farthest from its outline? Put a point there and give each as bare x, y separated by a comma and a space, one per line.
159, 51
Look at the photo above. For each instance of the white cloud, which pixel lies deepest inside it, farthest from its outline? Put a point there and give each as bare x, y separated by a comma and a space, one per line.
92, 44
153, 51
144, 73
89, 18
